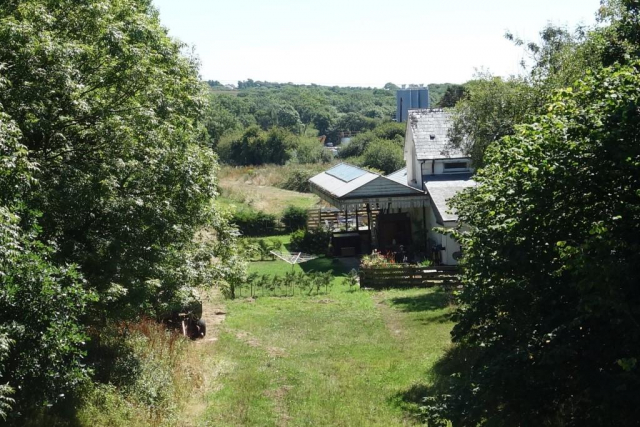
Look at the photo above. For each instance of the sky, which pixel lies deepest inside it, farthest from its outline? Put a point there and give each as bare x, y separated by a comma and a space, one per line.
362, 42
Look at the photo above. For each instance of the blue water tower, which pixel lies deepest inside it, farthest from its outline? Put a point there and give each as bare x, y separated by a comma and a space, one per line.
410, 99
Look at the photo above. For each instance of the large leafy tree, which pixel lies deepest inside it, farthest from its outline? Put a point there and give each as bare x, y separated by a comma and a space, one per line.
489, 110
41, 336
110, 110
550, 322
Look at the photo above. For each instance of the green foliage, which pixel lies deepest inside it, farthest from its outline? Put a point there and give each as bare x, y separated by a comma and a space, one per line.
116, 128
252, 222
437, 91
311, 241
548, 326
252, 247
276, 146
387, 131
290, 284
493, 106
298, 180
310, 150
5, 389
294, 218
384, 155
451, 96
147, 374
351, 279
40, 310
330, 110
490, 110
104, 155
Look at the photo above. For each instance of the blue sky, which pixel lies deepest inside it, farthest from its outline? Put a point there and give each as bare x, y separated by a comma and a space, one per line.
362, 42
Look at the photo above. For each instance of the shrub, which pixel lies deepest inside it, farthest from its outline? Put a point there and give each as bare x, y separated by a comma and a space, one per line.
311, 241
310, 150
298, 180
378, 260
384, 155
252, 222
294, 218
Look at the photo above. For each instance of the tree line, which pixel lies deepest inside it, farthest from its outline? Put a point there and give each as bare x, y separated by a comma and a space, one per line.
288, 120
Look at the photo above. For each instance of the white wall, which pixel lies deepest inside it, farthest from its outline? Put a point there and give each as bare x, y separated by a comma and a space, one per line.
414, 173
450, 247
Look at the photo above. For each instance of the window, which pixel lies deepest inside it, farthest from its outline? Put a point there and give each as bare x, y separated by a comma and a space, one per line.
455, 166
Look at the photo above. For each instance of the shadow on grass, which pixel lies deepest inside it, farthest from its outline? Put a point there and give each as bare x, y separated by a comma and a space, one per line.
323, 265
426, 302
450, 376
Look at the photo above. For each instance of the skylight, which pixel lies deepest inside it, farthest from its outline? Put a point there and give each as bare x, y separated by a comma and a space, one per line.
346, 173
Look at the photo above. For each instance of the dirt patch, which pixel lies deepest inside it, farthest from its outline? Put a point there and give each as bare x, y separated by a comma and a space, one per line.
325, 301
213, 313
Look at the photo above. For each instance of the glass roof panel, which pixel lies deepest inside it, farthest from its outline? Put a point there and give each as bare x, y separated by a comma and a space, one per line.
346, 173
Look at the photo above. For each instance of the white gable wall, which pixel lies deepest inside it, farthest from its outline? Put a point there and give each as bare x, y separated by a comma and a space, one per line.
414, 170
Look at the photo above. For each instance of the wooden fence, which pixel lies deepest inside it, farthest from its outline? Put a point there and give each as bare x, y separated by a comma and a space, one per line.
405, 276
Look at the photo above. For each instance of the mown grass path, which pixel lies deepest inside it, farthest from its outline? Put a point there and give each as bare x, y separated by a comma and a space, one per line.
342, 359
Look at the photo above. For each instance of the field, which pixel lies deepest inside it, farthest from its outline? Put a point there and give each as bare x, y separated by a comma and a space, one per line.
348, 358
257, 187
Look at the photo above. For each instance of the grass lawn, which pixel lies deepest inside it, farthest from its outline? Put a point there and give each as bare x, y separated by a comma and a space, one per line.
342, 359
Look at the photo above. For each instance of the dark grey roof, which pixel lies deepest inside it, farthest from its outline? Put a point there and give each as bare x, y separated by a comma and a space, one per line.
430, 134
442, 188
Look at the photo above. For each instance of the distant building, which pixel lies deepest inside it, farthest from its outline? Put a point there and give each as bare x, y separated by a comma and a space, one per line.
410, 99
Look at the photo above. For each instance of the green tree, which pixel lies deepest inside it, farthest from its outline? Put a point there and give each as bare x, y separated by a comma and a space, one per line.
41, 338
451, 96
112, 113
383, 155
550, 306
490, 110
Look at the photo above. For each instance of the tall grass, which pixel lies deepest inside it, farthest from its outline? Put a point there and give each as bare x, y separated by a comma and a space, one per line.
265, 175
144, 377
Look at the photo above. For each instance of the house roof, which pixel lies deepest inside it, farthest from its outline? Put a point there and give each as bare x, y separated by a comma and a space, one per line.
347, 184
342, 179
430, 128
442, 188
399, 176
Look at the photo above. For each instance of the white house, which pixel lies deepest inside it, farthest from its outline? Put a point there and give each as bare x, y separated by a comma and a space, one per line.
411, 202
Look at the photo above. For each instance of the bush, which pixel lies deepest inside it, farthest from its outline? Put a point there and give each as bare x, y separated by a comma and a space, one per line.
298, 180
294, 218
310, 150
384, 155
311, 241
251, 222
390, 131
